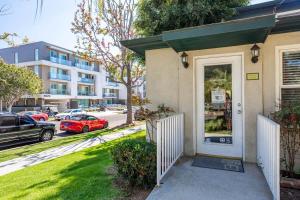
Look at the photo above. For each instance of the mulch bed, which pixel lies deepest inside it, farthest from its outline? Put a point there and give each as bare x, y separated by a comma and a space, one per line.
289, 194
131, 193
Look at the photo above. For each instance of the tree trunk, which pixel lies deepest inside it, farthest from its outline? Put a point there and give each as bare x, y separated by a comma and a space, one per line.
129, 97
9, 107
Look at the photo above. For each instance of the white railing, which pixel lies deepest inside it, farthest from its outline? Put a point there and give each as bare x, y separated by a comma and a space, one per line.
268, 152
169, 143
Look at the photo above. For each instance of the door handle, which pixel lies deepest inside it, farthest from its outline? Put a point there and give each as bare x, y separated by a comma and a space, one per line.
239, 111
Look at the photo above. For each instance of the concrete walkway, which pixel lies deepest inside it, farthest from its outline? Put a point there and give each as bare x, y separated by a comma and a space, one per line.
33, 159
184, 181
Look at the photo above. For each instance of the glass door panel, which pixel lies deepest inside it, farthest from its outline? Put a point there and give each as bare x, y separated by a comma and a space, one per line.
218, 104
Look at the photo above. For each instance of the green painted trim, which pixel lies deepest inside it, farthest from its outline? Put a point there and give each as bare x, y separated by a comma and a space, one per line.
220, 28
235, 32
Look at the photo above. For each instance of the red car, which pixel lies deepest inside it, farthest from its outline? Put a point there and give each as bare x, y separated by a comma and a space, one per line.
83, 124
36, 115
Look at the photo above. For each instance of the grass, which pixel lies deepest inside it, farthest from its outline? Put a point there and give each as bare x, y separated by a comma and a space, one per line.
81, 175
39, 147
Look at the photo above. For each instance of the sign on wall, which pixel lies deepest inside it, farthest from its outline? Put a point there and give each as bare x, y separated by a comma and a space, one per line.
252, 76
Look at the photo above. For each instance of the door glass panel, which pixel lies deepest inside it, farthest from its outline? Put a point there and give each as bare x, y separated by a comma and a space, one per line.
218, 104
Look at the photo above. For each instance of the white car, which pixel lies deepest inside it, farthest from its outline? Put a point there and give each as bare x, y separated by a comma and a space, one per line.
68, 113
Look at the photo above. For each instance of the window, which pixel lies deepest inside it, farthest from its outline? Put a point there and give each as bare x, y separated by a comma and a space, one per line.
290, 83
7, 121
53, 53
91, 118
63, 56
25, 120
36, 54
16, 58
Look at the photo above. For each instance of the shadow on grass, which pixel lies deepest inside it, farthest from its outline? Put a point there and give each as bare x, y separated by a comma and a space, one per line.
9, 154
84, 178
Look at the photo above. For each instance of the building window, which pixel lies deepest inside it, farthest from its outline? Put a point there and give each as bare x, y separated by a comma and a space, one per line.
16, 58
36, 54
290, 73
53, 54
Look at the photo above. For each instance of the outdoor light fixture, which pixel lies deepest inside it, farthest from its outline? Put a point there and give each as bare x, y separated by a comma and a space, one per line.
184, 60
255, 53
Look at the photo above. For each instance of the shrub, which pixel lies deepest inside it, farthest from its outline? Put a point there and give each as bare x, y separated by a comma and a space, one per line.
214, 125
136, 162
288, 117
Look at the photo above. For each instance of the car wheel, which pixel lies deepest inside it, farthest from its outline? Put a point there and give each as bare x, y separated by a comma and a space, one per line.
42, 119
105, 125
67, 117
85, 129
46, 135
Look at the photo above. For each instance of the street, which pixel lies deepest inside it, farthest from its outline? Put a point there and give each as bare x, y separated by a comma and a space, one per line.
114, 119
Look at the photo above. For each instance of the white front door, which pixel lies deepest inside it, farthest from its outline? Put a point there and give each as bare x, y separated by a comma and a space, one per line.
219, 118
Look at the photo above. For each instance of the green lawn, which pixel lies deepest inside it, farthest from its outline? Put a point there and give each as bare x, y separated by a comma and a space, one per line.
81, 175
39, 147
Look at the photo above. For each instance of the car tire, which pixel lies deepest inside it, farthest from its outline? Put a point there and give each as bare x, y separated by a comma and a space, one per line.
67, 117
46, 135
85, 129
105, 125
42, 119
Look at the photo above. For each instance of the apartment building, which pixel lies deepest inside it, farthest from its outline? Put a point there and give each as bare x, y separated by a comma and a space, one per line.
69, 80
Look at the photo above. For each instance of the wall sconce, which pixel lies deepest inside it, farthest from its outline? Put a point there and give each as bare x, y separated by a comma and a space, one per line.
255, 53
184, 60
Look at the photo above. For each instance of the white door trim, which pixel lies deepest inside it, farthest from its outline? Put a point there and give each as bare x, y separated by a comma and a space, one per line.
195, 58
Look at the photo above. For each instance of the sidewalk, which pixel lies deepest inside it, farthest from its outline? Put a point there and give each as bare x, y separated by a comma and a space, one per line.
30, 160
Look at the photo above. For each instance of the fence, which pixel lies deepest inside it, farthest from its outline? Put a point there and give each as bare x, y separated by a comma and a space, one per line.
268, 152
169, 143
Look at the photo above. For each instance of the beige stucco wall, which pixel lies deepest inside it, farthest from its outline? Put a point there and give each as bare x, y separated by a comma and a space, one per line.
269, 67
170, 83
162, 73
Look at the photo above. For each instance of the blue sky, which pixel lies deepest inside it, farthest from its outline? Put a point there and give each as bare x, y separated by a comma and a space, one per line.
53, 25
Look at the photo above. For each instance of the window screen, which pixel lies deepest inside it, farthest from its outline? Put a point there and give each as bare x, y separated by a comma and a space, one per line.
290, 88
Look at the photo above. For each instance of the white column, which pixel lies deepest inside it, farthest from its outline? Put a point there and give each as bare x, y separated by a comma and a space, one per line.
74, 82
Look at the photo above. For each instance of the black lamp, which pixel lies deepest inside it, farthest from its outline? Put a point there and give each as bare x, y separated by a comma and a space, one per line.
255, 53
184, 60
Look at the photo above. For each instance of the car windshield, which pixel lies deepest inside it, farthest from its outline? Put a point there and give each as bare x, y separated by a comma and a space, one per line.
26, 120
68, 111
76, 118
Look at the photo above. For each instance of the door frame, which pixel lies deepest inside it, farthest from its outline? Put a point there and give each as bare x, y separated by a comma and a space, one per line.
195, 116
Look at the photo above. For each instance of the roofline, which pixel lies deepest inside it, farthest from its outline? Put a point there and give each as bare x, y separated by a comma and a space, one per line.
140, 45
259, 5
219, 23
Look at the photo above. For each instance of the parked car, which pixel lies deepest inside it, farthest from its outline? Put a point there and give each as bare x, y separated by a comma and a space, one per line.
51, 110
17, 129
69, 113
83, 123
36, 115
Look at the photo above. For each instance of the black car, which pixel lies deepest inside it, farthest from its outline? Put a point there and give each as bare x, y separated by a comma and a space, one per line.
17, 129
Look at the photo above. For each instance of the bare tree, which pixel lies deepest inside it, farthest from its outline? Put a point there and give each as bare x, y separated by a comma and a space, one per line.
100, 26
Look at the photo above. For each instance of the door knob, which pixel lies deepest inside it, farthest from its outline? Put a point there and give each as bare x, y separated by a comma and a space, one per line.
239, 111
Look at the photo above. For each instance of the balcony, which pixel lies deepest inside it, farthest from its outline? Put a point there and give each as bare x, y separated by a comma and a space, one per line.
110, 95
86, 93
58, 92
60, 61
110, 83
84, 66
86, 80
56, 76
